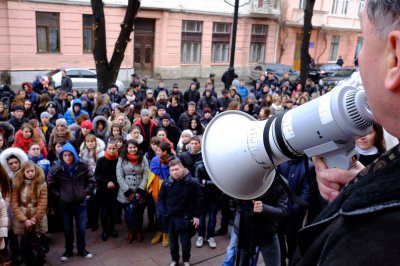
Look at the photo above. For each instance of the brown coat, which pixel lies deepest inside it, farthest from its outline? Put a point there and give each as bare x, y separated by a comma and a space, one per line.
25, 209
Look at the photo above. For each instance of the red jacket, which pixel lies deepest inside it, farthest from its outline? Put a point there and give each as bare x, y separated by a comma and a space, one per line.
23, 143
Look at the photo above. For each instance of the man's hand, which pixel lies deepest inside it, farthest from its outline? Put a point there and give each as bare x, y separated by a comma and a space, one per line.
330, 181
110, 185
196, 222
258, 206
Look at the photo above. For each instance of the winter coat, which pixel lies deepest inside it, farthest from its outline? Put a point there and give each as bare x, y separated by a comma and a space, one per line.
4, 220
43, 163
25, 208
152, 131
175, 112
71, 185
265, 224
23, 143
71, 116
115, 97
361, 226
158, 173
224, 103
210, 102
191, 96
9, 132
66, 83
17, 152
47, 134
55, 135
179, 201
106, 171
17, 124
88, 155
211, 193
183, 121
139, 141
102, 134
189, 160
131, 177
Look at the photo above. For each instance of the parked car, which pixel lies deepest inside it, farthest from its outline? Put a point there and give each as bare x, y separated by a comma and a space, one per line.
277, 69
82, 78
336, 77
322, 71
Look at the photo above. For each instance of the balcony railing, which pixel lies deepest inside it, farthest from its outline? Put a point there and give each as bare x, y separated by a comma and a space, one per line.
265, 7
318, 19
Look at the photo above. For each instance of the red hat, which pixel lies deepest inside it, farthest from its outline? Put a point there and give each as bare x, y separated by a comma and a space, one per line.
86, 124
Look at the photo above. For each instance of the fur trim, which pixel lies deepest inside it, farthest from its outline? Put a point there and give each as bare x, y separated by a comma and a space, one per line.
10, 131
100, 118
100, 147
140, 141
20, 154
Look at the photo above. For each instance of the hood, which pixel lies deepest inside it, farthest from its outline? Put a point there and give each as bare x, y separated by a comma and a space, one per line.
100, 146
100, 118
75, 102
70, 148
9, 131
20, 154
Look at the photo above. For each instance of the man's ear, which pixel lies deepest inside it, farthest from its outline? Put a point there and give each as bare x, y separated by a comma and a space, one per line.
392, 80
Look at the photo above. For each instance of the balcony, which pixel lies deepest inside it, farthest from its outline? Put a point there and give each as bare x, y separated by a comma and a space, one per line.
265, 8
297, 19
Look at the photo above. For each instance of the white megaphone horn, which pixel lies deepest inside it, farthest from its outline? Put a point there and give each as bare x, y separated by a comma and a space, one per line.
235, 145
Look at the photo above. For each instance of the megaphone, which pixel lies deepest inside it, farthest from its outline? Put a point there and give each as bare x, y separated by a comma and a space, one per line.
235, 145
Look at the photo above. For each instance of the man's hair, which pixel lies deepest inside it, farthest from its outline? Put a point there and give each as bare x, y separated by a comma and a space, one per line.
384, 16
175, 162
164, 146
196, 138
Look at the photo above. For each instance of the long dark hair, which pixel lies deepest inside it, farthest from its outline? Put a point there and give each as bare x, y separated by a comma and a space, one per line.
139, 152
4, 182
379, 141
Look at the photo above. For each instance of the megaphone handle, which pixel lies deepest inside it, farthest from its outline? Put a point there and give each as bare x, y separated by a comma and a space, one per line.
342, 158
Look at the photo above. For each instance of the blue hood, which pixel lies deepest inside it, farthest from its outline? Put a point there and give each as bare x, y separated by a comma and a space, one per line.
70, 148
77, 101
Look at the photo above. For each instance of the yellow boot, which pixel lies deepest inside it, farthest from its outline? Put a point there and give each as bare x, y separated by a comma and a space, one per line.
156, 238
165, 240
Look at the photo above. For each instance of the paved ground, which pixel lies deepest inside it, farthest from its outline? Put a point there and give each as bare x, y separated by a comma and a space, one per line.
118, 252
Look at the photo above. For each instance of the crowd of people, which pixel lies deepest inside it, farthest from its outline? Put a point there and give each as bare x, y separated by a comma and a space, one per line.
83, 157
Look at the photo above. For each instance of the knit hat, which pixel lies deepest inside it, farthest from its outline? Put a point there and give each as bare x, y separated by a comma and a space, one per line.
61, 122
206, 110
224, 91
19, 108
166, 116
45, 114
86, 124
192, 103
251, 96
144, 112
51, 104
175, 85
161, 106
149, 91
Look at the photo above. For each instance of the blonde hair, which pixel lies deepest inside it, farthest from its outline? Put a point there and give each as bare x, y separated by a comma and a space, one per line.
91, 137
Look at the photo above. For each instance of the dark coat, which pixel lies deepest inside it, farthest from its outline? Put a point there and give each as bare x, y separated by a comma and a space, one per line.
106, 172
189, 160
361, 226
175, 112
71, 185
183, 121
66, 83
179, 201
17, 124
191, 96
274, 209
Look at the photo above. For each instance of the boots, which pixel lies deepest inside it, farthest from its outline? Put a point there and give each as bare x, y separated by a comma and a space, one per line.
157, 238
131, 236
139, 236
165, 240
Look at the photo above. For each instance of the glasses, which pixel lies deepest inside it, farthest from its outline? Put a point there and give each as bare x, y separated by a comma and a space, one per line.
35, 149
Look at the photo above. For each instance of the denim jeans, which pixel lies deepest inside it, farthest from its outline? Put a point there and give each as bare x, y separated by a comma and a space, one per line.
231, 250
134, 216
270, 251
212, 209
69, 213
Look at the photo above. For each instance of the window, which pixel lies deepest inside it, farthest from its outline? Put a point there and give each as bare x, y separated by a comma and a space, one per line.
340, 7
220, 42
258, 41
333, 54
360, 41
191, 41
88, 33
302, 4
360, 7
48, 32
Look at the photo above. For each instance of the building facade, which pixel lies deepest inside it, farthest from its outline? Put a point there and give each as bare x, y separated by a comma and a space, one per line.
173, 38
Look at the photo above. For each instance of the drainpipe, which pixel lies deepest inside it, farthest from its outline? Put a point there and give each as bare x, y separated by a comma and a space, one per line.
276, 42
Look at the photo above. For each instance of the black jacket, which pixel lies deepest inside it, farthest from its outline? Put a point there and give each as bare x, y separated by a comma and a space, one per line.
189, 160
66, 83
361, 226
265, 224
104, 173
180, 199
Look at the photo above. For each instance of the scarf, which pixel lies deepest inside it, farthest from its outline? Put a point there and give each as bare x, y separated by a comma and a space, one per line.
132, 158
110, 157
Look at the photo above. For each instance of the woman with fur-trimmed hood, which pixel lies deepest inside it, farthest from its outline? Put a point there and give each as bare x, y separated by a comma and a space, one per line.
8, 132
100, 127
92, 149
12, 154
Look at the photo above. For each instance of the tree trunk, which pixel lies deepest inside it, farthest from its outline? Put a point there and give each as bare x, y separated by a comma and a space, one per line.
107, 72
307, 28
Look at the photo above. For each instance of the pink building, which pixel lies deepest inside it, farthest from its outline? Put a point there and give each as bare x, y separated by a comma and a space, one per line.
174, 38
